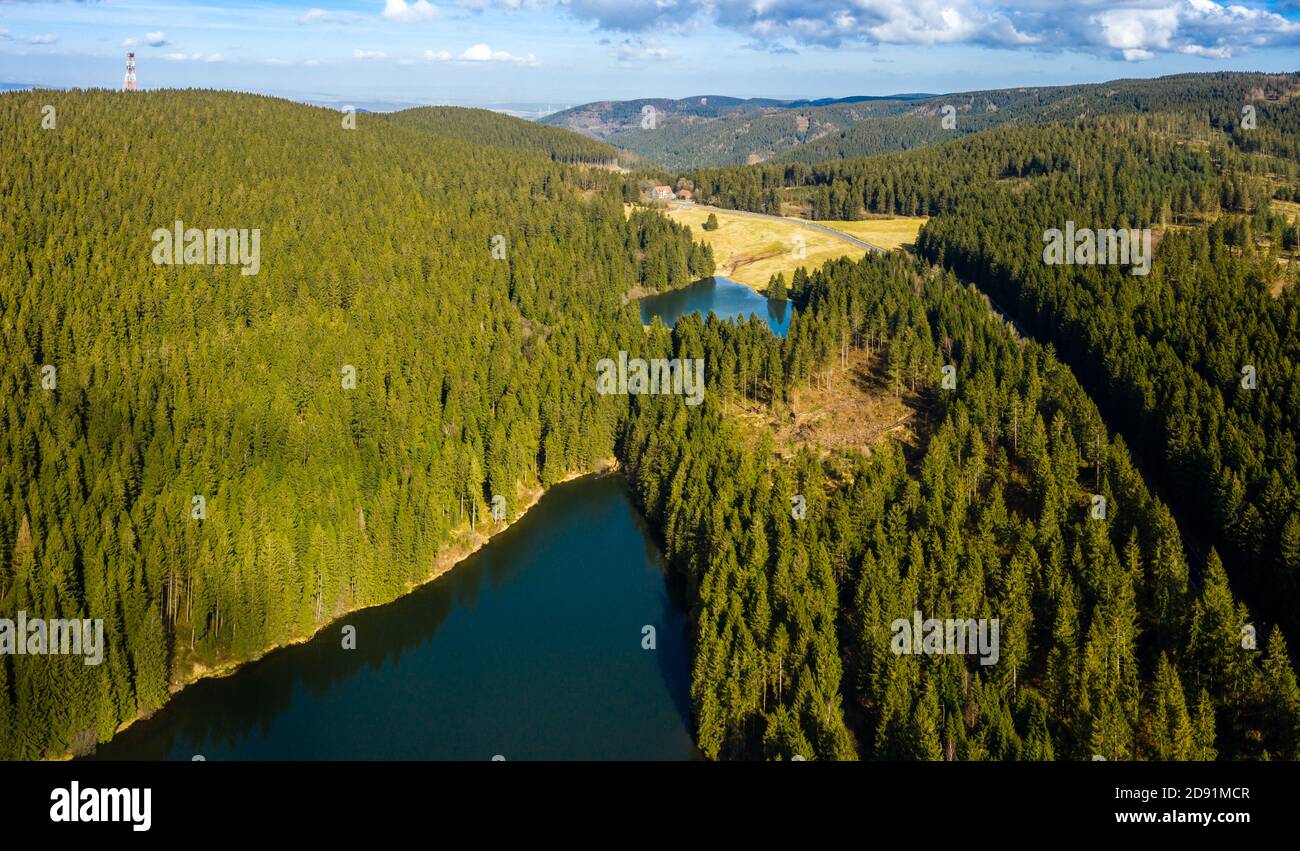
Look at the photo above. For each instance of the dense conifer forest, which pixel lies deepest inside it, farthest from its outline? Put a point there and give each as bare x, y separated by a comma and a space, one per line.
1109, 648
484, 127
1130, 635
710, 132
1199, 361
217, 463
1214, 100
1202, 124
1166, 353
471, 357
690, 134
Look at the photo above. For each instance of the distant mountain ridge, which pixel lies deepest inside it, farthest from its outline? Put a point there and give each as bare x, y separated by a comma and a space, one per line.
1201, 94
615, 114
711, 132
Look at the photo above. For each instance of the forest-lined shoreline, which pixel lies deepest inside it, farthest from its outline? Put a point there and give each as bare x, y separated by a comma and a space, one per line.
465, 545
356, 406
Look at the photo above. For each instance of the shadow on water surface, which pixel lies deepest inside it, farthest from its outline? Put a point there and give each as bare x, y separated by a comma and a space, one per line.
674, 666
531, 648
721, 296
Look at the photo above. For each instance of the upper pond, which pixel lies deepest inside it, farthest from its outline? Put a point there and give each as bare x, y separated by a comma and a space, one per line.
724, 297
529, 649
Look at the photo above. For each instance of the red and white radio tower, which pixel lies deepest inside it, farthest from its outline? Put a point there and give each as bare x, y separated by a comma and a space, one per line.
129, 84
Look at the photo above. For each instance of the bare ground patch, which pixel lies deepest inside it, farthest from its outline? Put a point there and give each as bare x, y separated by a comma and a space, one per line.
849, 408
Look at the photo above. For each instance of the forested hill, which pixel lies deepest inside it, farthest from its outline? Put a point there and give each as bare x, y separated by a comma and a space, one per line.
605, 118
688, 135
1110, 647
713, 131
1196, 363
485, 127
1216, 99
216, 463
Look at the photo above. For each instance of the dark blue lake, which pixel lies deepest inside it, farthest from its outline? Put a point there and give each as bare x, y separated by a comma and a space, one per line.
722, 296
530, 649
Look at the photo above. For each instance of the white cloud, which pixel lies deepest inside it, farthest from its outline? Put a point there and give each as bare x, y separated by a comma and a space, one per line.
154, 39
368, 54
326, 17
407, 13
479, 53
924, 22
483, 53
1208, 52
1132, 29
1137, 30
42, 39
178, 56
628, 15
635, 50
1190, 27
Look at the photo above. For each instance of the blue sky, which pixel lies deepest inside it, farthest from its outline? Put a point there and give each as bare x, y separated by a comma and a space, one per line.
572, 51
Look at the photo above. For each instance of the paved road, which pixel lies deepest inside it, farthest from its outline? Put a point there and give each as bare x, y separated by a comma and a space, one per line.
800, 222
